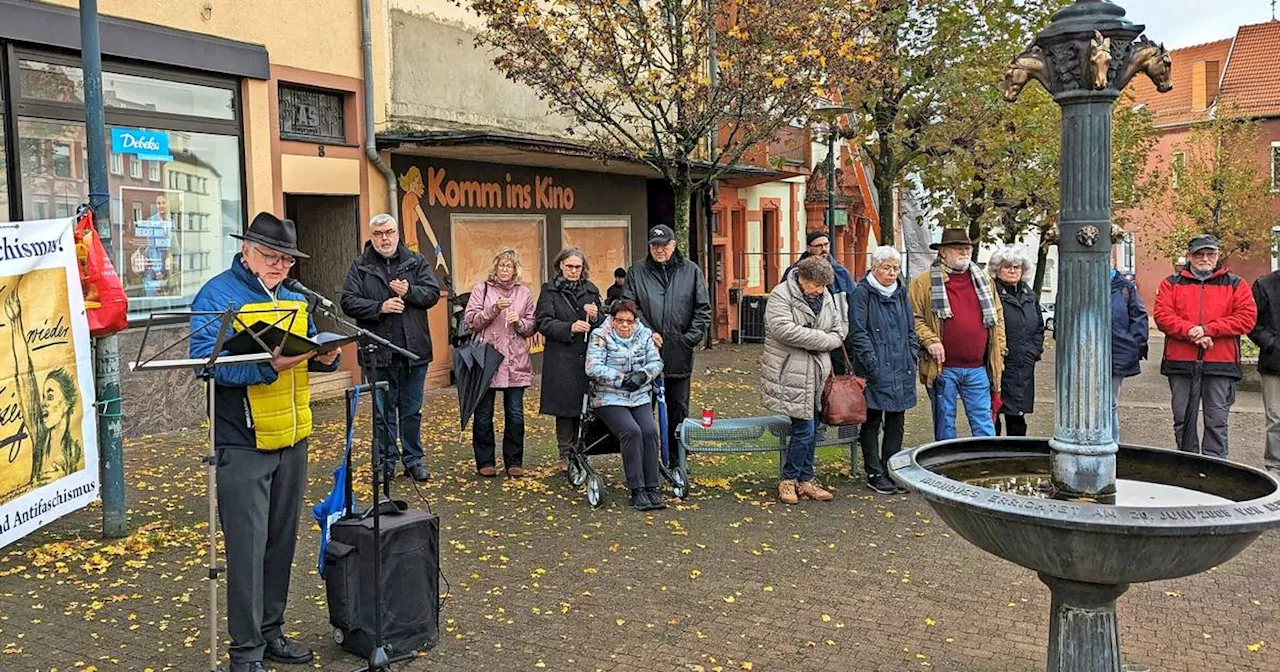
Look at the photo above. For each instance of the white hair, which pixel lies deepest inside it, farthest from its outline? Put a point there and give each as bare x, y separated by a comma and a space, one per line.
1008, 255
882, 254
383, 218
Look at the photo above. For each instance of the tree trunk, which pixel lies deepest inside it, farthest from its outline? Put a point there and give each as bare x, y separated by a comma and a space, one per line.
884, 180
683, 193
1042, 258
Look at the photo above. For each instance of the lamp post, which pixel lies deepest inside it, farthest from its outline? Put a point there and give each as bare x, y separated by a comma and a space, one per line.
830, 113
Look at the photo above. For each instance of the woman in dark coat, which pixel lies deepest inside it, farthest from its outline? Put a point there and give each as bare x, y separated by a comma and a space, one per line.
568, 308
1024, 333
885, 349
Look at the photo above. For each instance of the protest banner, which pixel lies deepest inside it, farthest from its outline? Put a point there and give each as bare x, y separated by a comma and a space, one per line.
48, 441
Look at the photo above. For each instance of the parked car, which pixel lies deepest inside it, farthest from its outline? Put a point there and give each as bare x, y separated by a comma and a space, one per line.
1046, 313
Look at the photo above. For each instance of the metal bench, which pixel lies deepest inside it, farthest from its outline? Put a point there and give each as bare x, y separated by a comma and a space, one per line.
753, 435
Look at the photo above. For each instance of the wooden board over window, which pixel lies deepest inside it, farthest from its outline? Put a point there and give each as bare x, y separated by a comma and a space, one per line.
604, 240
476, 238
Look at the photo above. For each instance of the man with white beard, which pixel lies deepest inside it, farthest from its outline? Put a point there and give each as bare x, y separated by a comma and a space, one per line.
960, 325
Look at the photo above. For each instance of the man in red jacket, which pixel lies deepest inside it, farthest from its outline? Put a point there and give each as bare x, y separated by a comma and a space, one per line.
1203, 311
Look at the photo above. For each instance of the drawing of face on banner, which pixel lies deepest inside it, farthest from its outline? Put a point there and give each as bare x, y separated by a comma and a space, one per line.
41, 403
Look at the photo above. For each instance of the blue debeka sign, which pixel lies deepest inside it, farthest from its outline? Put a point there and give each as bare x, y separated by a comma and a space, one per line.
147, 145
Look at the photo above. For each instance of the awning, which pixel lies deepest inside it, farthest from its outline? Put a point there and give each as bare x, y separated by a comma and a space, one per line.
543, 152
54, 26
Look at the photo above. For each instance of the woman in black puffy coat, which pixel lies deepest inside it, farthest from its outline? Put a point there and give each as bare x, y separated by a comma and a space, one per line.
568, 308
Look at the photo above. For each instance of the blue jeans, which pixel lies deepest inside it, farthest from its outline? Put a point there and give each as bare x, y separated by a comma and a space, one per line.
400, 412
482, 441
973, 388
798, 464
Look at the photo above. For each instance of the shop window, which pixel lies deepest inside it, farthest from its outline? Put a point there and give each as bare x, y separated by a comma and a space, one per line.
148, 245
55, 83
605, 241
4, 174
476, 238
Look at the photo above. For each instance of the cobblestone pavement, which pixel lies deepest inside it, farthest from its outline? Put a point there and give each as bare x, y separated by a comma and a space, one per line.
727, 581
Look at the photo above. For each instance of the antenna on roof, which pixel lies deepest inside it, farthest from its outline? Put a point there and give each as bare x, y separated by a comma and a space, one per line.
1273, 10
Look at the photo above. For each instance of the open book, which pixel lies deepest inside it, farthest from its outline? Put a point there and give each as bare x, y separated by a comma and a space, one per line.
290, 345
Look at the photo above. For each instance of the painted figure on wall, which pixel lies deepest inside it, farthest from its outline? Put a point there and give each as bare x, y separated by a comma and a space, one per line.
411, 214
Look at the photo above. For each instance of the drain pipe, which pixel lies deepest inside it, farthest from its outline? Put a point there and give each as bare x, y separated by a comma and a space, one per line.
370, 136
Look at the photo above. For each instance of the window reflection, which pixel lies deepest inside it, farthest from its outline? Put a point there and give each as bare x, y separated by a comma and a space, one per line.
171, 219
51, 82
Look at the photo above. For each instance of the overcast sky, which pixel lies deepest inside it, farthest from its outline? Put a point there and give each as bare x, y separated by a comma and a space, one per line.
1182, 23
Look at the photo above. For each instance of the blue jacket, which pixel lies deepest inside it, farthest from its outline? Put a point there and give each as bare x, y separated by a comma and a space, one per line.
1129, 327
610, 359
256, 408
882, 330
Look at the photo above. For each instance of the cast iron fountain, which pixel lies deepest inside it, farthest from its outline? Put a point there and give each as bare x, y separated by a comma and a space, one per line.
1090, 517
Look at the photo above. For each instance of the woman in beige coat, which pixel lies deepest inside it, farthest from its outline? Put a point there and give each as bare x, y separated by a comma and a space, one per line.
802, 325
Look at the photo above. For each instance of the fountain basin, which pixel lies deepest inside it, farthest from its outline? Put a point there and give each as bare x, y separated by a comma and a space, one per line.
1094, 542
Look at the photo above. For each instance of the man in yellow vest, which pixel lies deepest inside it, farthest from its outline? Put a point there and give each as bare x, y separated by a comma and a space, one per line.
261, 425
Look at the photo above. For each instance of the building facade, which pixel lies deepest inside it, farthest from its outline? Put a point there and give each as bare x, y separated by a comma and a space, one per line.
1238, 76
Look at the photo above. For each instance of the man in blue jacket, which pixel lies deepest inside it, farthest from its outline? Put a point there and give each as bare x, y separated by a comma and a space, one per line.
818, 244
260, 428
1129, 330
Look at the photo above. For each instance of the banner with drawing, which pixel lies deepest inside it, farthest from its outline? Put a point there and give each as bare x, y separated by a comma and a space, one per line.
48, 441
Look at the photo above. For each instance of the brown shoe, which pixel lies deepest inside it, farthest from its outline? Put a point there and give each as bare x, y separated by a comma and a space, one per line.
787, 492
811, 490
515, 472
487, 472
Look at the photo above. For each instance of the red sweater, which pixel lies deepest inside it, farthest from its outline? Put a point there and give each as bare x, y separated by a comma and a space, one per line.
963, 336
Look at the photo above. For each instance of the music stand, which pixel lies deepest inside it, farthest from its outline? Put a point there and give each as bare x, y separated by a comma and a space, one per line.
205, 371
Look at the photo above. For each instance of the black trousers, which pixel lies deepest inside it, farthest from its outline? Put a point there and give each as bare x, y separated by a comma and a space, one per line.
875, 452
259, 496
677, 391
566, 434
482, 441
638, 435
1017, 424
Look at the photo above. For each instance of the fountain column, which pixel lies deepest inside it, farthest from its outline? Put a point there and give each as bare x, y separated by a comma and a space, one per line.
1084, 58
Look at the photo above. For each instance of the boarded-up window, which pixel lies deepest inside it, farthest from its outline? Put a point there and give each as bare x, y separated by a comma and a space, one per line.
476, 238
604, 240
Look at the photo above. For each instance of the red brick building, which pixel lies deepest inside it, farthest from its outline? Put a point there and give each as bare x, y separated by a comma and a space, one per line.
1241, 73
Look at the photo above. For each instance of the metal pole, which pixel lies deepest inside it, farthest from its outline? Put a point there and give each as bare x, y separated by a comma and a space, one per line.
713, 72
831, 188
106, 357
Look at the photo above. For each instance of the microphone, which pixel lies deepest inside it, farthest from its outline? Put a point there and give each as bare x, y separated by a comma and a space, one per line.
294, 285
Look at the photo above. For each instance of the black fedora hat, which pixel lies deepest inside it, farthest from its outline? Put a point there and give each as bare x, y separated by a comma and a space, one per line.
270, 231
952, 237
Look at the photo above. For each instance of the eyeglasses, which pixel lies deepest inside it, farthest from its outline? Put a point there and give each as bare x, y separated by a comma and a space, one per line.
820, 245
389, 233
276, 259
571, 267
623, 322
889, 269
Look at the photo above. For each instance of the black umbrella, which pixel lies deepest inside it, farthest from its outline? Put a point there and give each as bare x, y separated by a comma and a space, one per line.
473, 367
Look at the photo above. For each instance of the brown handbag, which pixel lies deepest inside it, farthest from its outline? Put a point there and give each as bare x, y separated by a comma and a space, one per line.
843, 402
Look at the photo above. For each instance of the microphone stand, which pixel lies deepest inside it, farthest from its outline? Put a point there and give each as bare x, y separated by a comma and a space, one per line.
369, 343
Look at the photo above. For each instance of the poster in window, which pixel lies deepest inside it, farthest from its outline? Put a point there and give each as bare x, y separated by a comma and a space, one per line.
150, 244
603, 240
47, 439
477, 238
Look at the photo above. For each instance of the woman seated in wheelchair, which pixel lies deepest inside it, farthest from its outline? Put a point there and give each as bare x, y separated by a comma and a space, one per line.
622, 363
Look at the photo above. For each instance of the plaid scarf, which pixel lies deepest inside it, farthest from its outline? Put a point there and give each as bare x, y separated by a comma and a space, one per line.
938, 293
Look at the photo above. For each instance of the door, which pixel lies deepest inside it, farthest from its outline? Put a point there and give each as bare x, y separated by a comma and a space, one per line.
328, 231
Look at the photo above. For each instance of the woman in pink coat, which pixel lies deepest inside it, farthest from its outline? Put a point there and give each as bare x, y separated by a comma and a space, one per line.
500, 313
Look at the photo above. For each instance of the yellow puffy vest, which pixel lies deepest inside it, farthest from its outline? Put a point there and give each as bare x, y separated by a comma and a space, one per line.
282, 410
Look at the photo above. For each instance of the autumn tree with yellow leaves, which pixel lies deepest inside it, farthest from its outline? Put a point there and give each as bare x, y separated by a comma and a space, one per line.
652, 80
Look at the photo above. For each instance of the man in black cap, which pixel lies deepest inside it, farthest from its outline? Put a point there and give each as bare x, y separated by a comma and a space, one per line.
671, 293
388, 290
615, 290
261, 427
1203, 311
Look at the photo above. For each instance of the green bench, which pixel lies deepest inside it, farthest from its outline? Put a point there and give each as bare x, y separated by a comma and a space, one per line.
767, 434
